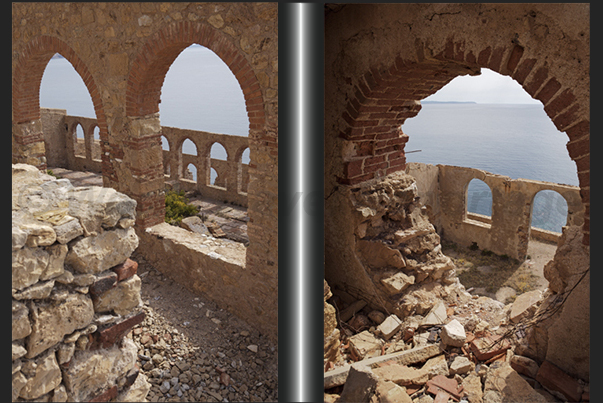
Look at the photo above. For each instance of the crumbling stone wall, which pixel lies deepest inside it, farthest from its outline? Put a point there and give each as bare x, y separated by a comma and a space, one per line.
122, 51
443, 190
382, 59
75, 293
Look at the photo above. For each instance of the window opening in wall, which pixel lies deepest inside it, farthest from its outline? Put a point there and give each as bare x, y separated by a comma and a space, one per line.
479, 201
189, 152
165, 146
218, 153
79, 146
549, 211
96, 147
245, 157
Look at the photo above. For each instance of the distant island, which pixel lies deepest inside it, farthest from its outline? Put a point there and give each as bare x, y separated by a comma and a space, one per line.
448, 102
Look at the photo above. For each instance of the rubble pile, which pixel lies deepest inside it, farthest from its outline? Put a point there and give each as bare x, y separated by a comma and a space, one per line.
75, 292
454, 353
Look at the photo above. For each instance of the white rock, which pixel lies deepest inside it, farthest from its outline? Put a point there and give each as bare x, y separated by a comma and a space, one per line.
51, 322
90, 370
45, 375
461, 365
68, 230
390, 326
253, 348
523, 305
28, 265
436, 316
122, 298
96, 254
453, 334
21, 326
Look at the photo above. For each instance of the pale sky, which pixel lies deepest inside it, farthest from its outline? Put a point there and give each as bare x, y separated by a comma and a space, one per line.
487, 88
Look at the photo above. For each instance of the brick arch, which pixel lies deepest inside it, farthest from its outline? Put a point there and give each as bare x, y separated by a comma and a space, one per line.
27, 78
385, 96
159, 52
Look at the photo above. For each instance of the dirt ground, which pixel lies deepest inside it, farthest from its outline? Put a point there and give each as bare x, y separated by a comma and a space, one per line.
500, 277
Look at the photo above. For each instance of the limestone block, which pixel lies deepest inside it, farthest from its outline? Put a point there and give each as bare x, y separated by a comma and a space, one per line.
436, 366
397, 283
57, 254
360, 385
68, 230
28, 266
453, 334
389, 392
19, 237
436, 316
461, 365
39, 234
194, 224
390, 326
503, 384
122, 299
364, 343
43, 375
525, 365
18, 351
402, 374
91, 370
472, 385
524, 304
96, 254
36, 291
137, 392
65, 352
60, 394
377, 254
50, 322
19, 380
97, 207
21, 326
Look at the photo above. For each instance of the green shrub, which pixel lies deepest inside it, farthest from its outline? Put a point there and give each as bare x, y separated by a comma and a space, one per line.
177, 207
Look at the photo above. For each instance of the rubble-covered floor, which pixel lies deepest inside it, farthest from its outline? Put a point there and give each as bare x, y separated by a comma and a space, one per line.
450, 348
230, 221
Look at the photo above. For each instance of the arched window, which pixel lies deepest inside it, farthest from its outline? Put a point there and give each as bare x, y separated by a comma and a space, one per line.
217, 152
79, 146
190, 172
189, 152
549, 211
479, 198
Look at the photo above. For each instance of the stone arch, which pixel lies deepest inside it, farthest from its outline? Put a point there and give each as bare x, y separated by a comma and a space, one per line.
219, 144
153, 61
386, 89
27, 78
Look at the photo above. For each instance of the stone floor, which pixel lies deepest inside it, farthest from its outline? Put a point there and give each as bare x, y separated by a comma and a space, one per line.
231, 219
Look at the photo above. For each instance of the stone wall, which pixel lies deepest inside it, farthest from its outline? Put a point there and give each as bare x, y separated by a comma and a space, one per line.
75, 293
443, 191
387, 252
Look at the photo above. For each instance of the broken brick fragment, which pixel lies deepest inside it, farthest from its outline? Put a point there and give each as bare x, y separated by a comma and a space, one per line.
553, 378
487, 347
125, 270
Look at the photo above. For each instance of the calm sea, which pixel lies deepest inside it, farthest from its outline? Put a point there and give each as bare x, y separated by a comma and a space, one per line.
518, 141
199, 92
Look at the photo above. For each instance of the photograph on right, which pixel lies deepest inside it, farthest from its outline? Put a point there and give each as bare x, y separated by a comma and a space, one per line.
457, 203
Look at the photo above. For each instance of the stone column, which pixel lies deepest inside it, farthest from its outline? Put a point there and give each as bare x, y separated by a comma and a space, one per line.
142, 157
28, 144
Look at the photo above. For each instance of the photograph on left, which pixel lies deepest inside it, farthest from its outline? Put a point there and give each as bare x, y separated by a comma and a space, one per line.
145, 202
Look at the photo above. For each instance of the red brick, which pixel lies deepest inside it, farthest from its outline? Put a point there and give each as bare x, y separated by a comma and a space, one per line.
353, 168
561, 101
496, 59
440, 382
374, 168
536, 80
484, 56
580, 147
114, 333
550, 88
553, 378
582, 163
567, 118
514, 58
126, 269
